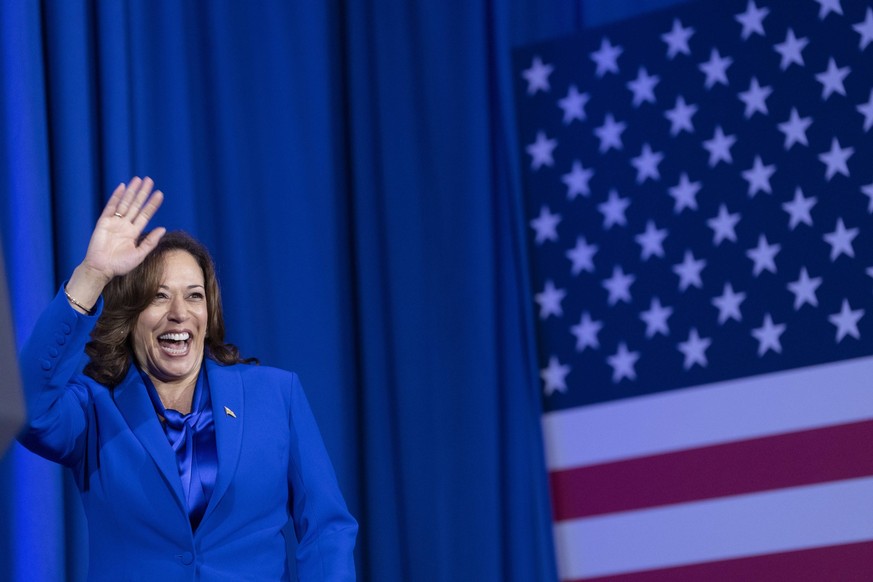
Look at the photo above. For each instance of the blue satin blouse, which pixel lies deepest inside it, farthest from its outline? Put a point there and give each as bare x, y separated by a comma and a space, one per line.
192, 437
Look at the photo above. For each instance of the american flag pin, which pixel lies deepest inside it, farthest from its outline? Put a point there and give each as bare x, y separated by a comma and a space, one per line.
229, 412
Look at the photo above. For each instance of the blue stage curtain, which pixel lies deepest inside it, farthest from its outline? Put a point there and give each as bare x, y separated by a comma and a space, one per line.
353, 166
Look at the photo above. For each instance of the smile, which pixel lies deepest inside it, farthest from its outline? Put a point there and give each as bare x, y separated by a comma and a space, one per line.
175, 343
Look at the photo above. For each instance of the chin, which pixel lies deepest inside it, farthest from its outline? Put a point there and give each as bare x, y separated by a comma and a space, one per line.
174, 371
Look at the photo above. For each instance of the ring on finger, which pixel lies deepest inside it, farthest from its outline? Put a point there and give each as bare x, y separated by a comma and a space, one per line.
119, 215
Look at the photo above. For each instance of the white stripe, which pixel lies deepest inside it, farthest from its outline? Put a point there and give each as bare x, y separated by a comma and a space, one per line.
752, 407
732, 527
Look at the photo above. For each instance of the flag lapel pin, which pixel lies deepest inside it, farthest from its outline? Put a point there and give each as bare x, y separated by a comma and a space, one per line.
229, 412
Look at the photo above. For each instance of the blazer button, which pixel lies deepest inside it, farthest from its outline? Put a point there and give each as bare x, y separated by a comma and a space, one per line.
46, 365
53, 352
186, 558
61, 339
67, 329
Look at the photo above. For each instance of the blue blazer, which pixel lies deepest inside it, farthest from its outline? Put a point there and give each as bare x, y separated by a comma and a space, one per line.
272, 467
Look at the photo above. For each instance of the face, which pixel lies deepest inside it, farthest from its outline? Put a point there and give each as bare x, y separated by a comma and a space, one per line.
170, 333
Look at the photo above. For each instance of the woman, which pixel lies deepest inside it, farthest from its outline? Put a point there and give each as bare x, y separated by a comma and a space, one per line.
189, 461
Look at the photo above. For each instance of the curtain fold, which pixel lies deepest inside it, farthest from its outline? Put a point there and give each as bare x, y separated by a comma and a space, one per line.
33, 515
353, 167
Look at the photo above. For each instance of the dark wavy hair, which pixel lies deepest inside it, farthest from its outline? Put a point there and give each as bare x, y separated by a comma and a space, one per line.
124, 298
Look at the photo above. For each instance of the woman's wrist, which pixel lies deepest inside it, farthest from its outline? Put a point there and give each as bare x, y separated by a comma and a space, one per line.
84, 289
78, 306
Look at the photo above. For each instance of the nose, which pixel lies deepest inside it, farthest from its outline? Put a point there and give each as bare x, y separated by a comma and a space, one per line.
178, 310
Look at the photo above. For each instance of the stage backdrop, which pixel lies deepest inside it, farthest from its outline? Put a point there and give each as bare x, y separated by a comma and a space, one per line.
700, 205
353, 166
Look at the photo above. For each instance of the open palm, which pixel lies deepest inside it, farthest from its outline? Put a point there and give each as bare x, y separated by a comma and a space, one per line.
115, 248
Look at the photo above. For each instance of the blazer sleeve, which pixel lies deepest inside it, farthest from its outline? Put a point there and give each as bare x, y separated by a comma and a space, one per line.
325, 529
56, 405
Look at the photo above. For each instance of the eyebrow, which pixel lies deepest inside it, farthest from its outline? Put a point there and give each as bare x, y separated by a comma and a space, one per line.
162, 286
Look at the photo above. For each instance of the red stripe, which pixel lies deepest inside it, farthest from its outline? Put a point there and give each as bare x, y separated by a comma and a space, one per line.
847, 563
787, 460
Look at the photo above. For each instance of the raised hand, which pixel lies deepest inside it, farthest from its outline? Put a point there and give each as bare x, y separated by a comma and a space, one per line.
113, 249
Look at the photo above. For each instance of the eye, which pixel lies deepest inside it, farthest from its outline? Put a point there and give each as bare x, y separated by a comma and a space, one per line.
196, 295
160, 296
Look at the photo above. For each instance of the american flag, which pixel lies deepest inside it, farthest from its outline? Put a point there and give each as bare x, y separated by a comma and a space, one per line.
699, 185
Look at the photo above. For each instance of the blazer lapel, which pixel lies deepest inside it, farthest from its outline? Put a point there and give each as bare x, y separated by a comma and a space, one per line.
133, 401
226, 391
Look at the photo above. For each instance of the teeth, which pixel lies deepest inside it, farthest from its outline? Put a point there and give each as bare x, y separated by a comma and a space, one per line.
176, 337
173, 351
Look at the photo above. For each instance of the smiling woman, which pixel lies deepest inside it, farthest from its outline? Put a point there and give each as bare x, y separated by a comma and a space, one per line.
165, 307
190, 461
169, 334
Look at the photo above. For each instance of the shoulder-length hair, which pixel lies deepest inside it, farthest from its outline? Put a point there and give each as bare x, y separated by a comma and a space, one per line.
125, 297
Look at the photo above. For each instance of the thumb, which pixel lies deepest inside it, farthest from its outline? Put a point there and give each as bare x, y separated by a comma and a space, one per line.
151, 240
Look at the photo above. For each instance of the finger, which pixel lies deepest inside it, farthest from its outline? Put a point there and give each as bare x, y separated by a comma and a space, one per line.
148, 211
151, 240
112, 204
141, 197
128, 196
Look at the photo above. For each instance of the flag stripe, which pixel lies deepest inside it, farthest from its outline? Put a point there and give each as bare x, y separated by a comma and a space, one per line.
801, 458
846, 562
719, 529
699, 209
727, 411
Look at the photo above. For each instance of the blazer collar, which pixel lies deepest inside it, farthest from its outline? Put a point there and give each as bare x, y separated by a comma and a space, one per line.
226, 387
226, 391
133, 401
